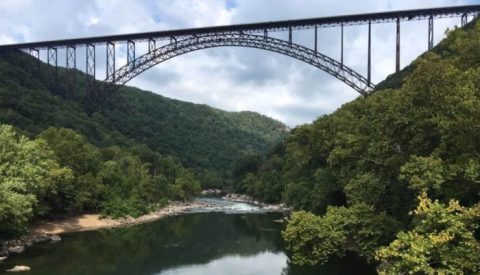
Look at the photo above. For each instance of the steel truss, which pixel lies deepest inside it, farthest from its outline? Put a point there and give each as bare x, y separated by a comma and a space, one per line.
110, 62
52, 59
71, 65
90, 73
194, 43
131, 53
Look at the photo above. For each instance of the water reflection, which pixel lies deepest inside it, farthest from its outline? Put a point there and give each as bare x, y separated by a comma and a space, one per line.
195, 243
263, 263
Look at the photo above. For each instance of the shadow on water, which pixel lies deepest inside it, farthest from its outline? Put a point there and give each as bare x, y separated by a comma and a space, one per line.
199, 243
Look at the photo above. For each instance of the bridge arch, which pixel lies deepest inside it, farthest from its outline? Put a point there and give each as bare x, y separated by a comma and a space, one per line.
238, 39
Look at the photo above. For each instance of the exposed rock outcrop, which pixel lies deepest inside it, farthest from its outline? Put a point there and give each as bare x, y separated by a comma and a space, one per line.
19, 268
212, 192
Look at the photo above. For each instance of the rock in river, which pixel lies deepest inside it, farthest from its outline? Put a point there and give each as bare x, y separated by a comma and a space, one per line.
3, 258
19, 268
55, 238
16, 249
4, 251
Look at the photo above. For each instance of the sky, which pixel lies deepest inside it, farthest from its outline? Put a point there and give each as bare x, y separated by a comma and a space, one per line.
233, 79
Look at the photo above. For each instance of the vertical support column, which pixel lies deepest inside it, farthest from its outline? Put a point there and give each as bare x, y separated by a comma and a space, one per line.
110, 62
265, 34
52, 57
369, 73
464, 19
90, 72
36, 54
152, 45
71, 60
316, 39
430, 32
131, 53
290, 35
173, 40
341, 45
397, 52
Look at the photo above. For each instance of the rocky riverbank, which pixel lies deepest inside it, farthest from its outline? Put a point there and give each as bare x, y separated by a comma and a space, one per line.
265, 206
49, 230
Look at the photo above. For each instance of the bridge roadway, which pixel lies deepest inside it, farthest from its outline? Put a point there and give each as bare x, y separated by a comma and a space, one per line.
263, 27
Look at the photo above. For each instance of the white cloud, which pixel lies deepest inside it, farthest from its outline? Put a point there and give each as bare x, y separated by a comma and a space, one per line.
231, 78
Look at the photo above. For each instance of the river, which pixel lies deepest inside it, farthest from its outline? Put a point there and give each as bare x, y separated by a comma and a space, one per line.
232, 238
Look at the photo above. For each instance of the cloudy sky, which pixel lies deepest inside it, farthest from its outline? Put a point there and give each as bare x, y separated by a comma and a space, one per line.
232, 79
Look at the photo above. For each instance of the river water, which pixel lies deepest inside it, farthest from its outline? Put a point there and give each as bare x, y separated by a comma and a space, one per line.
231, 238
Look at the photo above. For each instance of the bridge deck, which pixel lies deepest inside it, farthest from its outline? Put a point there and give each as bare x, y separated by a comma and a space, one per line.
356, 19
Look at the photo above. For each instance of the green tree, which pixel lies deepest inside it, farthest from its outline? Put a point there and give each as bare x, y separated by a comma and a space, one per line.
28, 174
127, 182
313, 239
187, 186
442, 241
72, 150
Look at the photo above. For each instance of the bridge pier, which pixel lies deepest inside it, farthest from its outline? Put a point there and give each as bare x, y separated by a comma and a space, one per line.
464, 19
173, 40
52, 57
341, 45
152, 45
90, 72
430, 32
110, 62
369, 73
397, 52
131, 53
71, 65
290, 35
36, 54
316, 39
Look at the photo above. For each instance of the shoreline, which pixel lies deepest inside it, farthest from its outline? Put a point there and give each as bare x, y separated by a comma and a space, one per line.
89, 222
51, 230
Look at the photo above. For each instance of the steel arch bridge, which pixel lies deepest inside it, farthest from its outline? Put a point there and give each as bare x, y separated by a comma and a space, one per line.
254, 35
124, 74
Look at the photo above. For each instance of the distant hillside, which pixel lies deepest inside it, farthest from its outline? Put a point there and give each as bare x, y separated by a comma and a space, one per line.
200, 136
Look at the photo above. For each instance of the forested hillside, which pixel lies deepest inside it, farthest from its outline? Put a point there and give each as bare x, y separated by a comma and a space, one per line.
200, 136
129, 155
394, 176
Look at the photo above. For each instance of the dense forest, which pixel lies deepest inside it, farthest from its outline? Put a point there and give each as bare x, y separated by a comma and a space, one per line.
128, 155
394, 176
198, 135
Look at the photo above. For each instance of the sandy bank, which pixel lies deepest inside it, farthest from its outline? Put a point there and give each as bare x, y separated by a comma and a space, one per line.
86, 222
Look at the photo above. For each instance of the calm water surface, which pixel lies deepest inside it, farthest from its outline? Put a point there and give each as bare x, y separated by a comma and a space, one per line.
233, 238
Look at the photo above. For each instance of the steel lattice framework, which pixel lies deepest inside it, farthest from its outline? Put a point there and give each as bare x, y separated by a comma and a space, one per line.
254, 35
159, 55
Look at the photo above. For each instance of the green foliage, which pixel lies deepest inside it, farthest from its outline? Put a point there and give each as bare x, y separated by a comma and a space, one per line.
186, 186
441, 242
313, 239
198, 135
127, 180
365, 188
423, 173
371, 156
28, 173
72, 150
